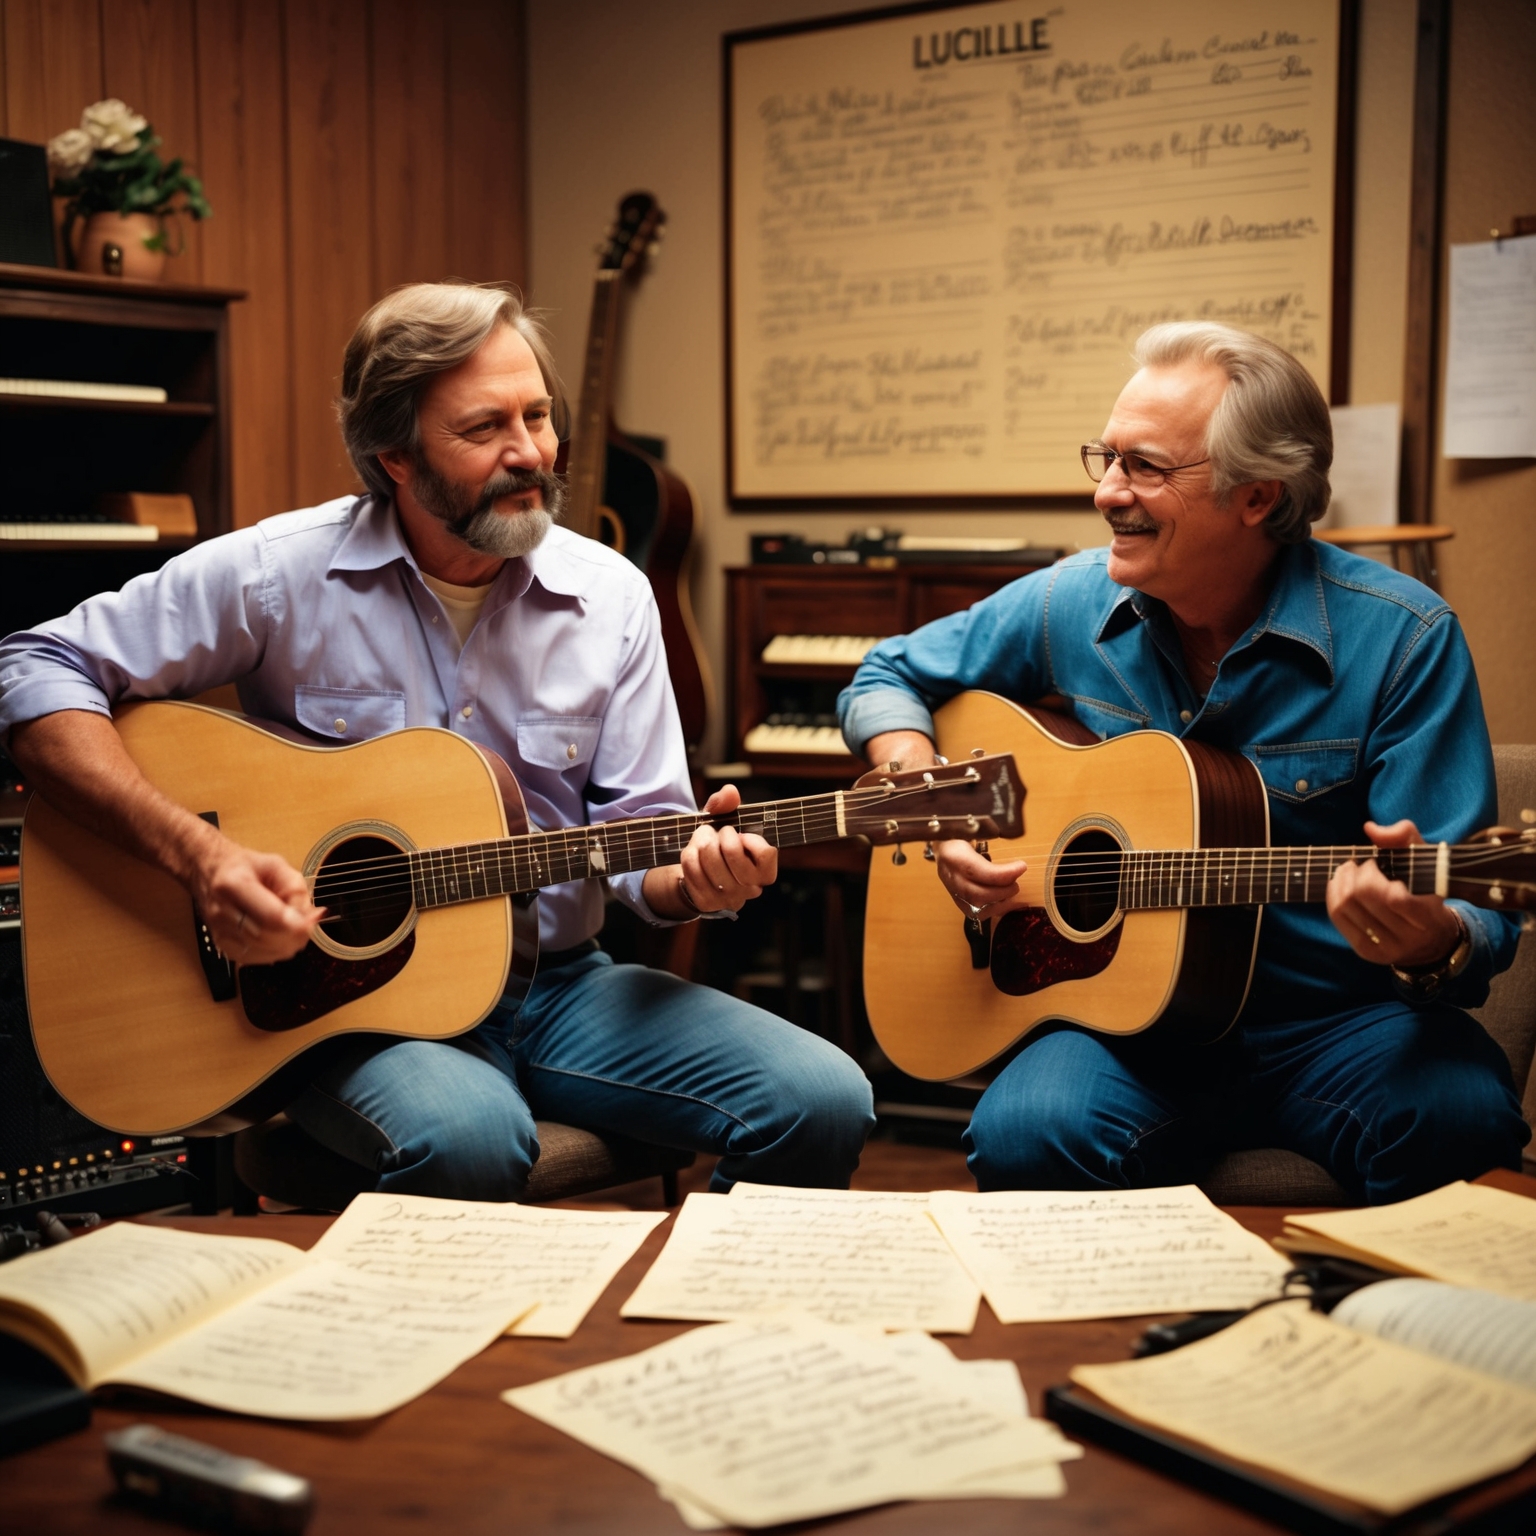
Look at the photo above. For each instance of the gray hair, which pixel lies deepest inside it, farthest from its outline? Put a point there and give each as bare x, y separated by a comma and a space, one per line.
1271, 423
404, 342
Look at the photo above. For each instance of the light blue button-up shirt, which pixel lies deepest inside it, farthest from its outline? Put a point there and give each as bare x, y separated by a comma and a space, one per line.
1353, 692
322, 620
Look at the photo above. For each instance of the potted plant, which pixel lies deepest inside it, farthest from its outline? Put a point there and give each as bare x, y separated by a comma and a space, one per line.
121, 189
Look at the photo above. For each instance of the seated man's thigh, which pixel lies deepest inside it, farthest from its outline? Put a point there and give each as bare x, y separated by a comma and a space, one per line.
1076, 1110
1393, 1100
441, 1118
643, 1053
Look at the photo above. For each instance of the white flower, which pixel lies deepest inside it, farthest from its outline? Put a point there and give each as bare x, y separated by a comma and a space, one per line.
70, 151
113, 126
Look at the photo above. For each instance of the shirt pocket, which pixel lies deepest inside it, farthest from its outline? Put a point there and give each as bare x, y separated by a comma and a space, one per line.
348, 714
559, 742
1299, 771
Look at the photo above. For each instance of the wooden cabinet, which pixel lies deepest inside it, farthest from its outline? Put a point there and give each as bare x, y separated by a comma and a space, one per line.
765, 601
59, 454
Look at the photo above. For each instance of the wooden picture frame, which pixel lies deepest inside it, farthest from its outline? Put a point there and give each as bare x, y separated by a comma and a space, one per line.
946, 224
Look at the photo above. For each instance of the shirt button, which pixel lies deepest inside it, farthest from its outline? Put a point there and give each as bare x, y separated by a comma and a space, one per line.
467, 711
570, 751
434, 618
341, 727
1301, 786
1185, 716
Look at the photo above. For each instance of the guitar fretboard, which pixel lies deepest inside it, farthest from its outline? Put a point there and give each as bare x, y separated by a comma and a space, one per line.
507, 866
1245, 877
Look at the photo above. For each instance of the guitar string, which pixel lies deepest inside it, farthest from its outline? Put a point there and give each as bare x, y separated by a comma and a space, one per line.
1143, 859
1148, 868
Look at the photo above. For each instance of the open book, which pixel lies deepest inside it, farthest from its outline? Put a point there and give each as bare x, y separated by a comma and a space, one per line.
1410, 1390
1468, 1234
398, 1292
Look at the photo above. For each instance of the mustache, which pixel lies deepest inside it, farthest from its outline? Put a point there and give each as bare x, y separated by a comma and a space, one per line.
518, 482
1123, 522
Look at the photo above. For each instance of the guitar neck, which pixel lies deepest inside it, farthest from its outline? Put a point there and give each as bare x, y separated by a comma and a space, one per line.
589, 434
1247, 877
510, 866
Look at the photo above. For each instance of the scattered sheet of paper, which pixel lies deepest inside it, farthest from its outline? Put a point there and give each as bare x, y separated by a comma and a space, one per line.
565, 1258
843, 1256
1467, 1234
1490, 366
1355, 1416
124, 1289
787, 1418
1046, 1256
328, 1343
1477, 1329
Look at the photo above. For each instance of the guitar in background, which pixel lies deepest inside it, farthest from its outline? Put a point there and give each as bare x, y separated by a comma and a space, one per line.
625, 496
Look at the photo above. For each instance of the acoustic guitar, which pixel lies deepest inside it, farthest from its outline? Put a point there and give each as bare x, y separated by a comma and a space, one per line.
620, 493
418, 845
1149, 869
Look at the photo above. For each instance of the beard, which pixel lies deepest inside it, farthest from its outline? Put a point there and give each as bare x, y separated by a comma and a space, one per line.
472, 516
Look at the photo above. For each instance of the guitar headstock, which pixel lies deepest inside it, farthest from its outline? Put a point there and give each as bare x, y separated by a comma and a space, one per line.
636, 227
982, 797
1497, 869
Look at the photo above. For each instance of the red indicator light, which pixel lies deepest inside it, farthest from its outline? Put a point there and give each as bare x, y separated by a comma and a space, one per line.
127, 1146
181, 1157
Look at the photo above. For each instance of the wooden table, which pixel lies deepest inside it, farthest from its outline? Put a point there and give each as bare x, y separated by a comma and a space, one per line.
460, 1461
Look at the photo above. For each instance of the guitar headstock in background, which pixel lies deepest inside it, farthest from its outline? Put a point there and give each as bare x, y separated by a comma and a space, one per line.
637, 228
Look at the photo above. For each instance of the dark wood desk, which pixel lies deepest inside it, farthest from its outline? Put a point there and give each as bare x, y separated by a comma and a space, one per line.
460, 1461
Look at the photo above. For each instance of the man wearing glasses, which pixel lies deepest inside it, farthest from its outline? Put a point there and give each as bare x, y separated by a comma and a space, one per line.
1214, 615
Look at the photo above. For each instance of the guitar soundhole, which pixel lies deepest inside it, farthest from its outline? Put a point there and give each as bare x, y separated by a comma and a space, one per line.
1087, 882
364, 883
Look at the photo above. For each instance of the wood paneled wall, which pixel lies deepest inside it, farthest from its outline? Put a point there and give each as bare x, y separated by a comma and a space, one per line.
346, 146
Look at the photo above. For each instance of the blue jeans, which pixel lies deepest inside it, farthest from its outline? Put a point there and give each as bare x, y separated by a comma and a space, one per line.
1392, 1100
610, 1047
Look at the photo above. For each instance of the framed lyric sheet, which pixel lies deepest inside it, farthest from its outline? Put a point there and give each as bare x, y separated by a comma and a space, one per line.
946, 226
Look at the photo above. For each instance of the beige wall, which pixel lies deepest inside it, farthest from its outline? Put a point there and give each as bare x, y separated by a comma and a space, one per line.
625, 95
1491, 503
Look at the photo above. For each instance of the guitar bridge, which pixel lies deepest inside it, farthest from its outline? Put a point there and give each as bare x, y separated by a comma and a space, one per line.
219, 971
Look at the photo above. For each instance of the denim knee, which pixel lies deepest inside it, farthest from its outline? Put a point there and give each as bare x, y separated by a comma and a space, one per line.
1019, 1143
484, 1162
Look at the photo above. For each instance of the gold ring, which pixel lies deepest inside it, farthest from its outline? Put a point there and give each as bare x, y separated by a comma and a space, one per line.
1370, 933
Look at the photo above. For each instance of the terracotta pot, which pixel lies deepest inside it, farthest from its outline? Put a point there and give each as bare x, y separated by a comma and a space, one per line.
126, 231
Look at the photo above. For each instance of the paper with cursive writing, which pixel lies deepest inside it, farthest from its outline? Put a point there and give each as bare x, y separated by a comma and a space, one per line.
947, 230
845, 1256
1355, 1416
566, 1258
1467, 1234
112, 1295
783, 1418
328, 1343
1044, 1256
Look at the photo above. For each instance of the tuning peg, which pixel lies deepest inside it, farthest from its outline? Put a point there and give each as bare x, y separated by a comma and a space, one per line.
899, 857
929, 854
978, 751
1528, 817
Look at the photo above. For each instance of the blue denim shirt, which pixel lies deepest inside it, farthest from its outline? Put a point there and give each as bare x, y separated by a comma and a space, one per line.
1353, 681
322, 620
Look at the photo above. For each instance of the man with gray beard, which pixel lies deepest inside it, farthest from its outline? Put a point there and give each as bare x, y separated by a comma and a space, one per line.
445, 596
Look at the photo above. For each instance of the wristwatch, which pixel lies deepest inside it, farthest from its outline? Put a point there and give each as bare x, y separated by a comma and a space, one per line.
1422, 984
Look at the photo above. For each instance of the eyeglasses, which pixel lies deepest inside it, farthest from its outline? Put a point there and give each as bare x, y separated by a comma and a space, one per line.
1142, 473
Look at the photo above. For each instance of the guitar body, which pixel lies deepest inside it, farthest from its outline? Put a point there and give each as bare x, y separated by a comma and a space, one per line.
124, 1014
654, 509
941, 1008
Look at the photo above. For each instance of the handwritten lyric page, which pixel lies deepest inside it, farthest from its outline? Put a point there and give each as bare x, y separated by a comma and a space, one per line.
843, 1256
1467, 1234
1046, 1256
122, 1291
1358, 1417
328, 1343
785, 1418
947, 229
565, 1258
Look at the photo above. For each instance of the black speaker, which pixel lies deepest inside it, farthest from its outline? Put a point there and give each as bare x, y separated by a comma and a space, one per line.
26, 209
51, 1156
